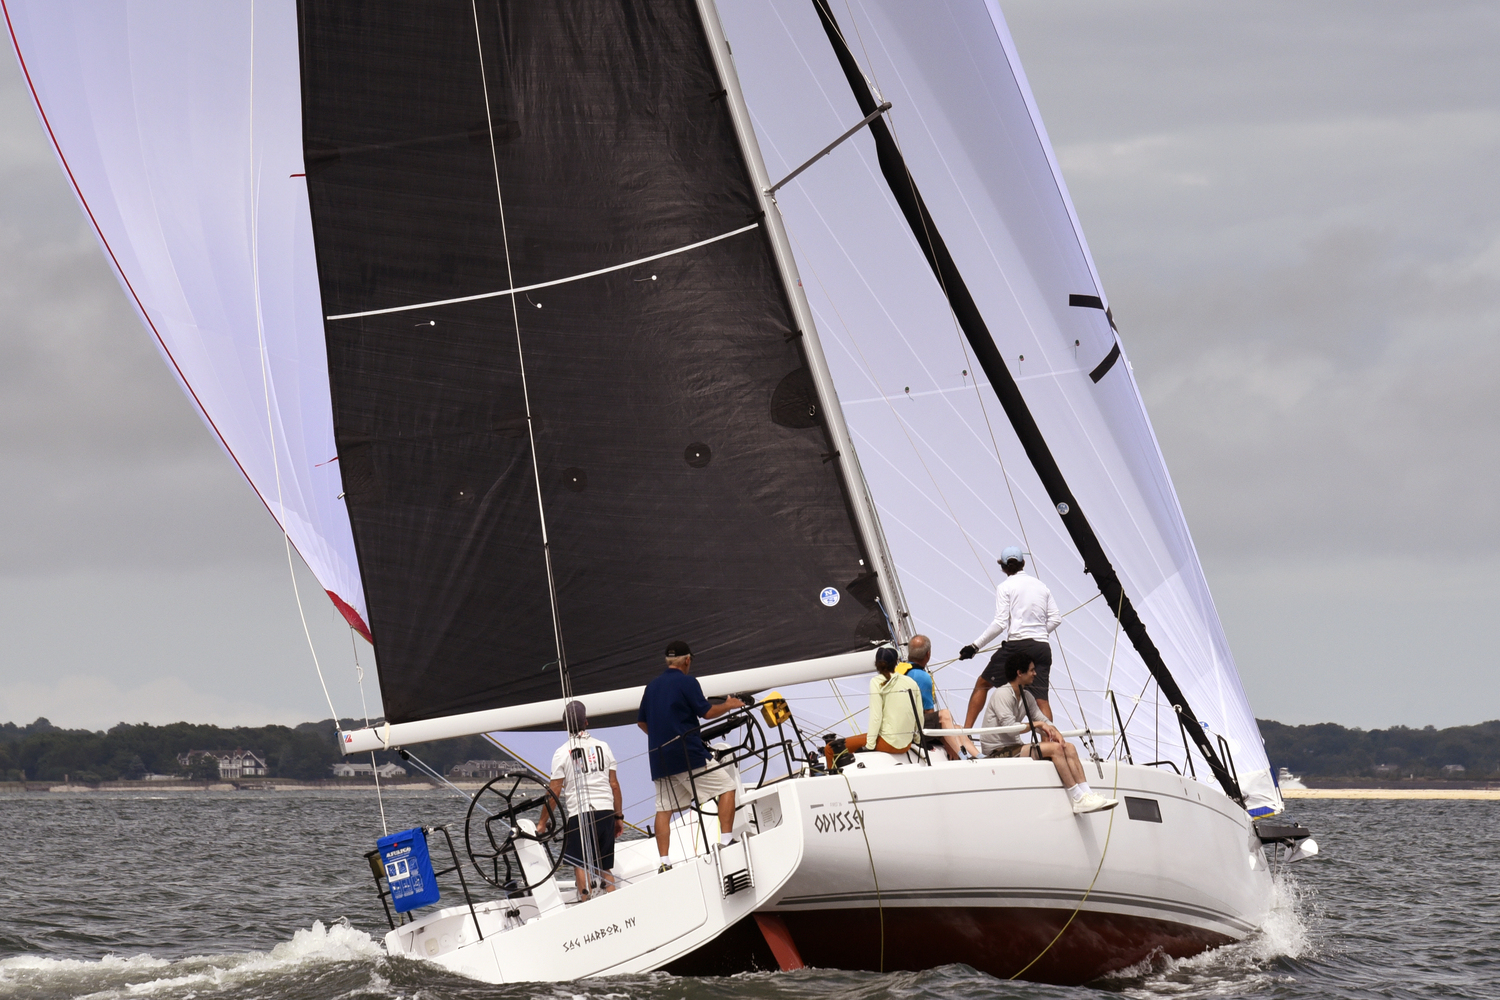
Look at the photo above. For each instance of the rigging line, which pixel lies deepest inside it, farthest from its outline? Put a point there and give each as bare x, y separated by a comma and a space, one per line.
889, 122
359, 672
513, 292
1103, 853
1133, 709
517, 757
892, 405
562, 660
265, 376
952, 315
432, 772
1085, 604
879, 900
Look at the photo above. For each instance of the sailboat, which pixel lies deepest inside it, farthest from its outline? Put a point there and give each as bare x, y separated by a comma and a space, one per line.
538, 364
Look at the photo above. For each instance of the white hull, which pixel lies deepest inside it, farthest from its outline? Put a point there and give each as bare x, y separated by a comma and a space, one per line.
649, 921
984, 863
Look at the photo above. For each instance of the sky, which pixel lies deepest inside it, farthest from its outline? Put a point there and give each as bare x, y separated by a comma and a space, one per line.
1291, 206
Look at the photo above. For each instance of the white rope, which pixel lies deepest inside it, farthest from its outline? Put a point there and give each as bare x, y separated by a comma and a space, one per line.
562, 663
265, 377
513, 292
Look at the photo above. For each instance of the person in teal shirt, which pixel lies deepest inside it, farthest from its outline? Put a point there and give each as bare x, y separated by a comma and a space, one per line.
918, 652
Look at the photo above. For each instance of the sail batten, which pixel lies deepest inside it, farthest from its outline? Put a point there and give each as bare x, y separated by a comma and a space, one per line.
544, 284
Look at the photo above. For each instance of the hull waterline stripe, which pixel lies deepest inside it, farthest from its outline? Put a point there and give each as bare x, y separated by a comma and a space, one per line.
545, 284
1067, 895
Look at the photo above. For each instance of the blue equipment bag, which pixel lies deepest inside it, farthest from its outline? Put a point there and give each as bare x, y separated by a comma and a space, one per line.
408, 869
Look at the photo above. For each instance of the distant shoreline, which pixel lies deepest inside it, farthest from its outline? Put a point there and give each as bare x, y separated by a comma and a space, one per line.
184, 787
1491, 794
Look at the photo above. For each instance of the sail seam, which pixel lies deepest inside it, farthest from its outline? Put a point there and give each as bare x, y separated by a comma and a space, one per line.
544, 284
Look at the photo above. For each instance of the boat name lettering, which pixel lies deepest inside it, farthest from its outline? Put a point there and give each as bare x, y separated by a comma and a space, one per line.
840, 822
598, 935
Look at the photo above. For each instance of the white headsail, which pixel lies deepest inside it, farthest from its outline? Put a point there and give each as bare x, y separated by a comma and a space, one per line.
950, 477
179, 128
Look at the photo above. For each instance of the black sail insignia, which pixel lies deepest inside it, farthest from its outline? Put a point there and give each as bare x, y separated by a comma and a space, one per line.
677, 504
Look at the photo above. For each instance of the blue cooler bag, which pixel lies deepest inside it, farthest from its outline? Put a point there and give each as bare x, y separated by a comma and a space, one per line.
408, 869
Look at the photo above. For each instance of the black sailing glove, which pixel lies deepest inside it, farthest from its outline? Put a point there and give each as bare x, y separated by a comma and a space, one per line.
967, 653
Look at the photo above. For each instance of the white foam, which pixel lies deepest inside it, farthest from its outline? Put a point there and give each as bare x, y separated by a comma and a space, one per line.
113, 977
1234, 969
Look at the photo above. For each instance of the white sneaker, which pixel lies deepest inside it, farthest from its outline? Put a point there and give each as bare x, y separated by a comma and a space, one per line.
1093, 802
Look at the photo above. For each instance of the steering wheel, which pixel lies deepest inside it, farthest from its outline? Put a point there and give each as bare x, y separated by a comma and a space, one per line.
492, 829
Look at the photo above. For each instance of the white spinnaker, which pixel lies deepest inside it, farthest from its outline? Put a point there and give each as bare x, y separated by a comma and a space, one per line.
200, 206
927, 435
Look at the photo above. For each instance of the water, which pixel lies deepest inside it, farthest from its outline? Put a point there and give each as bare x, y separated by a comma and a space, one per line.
238, 895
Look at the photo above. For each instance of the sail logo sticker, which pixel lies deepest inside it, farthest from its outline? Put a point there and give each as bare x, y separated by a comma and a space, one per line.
829, 596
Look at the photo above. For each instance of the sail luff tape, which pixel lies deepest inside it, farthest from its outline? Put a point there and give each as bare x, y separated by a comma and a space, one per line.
545, 284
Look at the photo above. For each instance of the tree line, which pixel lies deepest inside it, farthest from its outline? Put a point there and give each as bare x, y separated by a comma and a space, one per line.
41, 751
1330, 750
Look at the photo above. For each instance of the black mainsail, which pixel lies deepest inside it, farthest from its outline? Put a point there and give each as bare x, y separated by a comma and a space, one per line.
684, 469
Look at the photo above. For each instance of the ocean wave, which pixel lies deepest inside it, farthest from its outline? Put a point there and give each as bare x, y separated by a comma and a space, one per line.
1258, 961
114, 976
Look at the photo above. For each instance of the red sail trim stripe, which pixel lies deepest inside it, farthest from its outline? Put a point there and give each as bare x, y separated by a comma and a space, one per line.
351, 616
348, 612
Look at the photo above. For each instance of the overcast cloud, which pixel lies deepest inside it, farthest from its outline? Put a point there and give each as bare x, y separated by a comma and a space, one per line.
1292, 206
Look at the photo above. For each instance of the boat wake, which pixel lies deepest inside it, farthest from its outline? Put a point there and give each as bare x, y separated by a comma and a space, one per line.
1269, 956
312, 957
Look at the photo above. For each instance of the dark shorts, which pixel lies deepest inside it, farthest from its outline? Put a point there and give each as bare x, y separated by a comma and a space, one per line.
1035, 650
1014, 750
604, 840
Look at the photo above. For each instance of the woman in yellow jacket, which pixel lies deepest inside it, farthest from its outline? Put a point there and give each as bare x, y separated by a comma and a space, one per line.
895, 710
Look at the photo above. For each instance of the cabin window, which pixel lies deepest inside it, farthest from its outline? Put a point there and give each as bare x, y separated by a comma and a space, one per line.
1143, 809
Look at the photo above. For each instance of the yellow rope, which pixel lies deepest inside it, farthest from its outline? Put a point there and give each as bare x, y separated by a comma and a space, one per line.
1084, 898
879, 901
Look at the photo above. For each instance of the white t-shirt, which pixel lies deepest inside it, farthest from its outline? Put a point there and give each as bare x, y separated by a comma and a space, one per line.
1024, 606
584, 764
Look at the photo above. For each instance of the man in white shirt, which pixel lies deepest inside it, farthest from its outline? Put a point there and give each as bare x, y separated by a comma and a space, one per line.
584, 781
1024, 607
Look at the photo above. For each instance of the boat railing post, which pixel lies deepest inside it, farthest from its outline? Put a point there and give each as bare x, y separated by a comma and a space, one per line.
1187, 744
1120, 724
1228, 757
378, 870
919, 737
462, 882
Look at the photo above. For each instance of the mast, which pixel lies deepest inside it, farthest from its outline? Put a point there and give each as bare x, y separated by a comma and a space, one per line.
903, 187
892, 600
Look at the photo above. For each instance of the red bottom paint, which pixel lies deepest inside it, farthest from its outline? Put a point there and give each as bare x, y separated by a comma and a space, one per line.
997, 940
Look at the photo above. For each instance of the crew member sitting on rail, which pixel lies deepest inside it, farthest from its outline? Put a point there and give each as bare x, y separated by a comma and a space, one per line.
918, 652
584, 781
1011, 704
894, 701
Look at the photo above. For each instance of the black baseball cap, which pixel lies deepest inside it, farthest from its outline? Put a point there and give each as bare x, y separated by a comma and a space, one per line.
678, 648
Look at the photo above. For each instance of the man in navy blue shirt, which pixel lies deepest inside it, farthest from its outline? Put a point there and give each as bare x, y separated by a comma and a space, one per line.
670, 709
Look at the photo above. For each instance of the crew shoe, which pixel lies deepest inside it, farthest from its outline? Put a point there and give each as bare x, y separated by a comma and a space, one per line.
1094, 802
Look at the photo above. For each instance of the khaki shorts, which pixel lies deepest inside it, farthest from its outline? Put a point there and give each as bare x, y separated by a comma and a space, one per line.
1014, 750
675, 792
